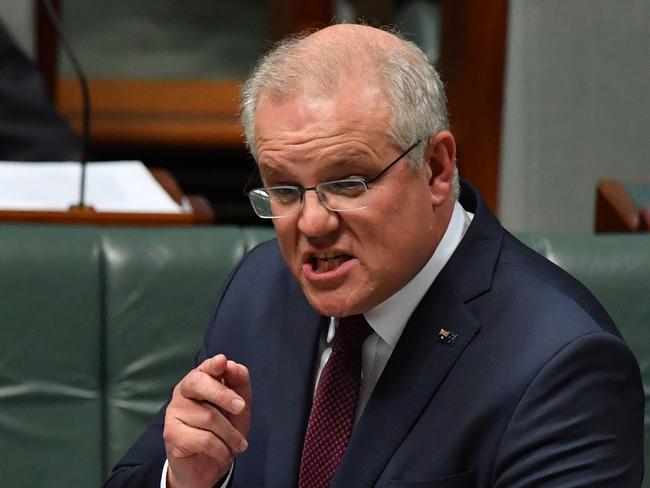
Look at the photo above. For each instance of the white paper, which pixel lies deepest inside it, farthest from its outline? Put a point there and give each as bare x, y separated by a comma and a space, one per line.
113, 186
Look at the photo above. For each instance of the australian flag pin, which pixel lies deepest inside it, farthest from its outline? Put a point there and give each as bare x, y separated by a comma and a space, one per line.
446, 337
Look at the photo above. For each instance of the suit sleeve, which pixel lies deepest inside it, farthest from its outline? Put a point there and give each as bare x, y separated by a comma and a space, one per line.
142, 465
579, 423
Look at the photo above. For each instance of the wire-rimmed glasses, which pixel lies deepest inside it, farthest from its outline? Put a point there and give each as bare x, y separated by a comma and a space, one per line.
273, 202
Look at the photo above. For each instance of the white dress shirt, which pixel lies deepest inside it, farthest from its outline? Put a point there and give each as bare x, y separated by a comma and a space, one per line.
389, 318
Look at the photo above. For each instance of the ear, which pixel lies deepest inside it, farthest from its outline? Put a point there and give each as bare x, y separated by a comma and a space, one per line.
440, 156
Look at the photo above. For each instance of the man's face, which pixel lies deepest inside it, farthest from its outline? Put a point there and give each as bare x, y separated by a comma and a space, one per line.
346, 262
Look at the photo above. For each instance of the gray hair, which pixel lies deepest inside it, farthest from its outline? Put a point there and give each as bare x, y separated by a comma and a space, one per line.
413, 88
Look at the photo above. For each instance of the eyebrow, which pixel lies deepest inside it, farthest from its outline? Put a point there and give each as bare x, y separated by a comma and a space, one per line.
350, 162
354, 158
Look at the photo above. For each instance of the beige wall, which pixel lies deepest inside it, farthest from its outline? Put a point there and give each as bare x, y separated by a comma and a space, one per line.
577, 108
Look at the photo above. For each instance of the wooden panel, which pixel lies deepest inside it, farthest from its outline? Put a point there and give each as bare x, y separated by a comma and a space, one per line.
200, 114
47, 44
169, 183
645, 219
182, 113
472, 59
616, 211
291, 16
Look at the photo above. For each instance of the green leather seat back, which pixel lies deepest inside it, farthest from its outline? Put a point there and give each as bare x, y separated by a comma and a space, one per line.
50, 400
162, 287
98, 324
619, 276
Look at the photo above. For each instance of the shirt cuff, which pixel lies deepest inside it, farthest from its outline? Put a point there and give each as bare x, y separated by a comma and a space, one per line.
163, 478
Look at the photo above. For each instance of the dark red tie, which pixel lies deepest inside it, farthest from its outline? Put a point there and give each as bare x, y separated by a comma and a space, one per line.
332, 413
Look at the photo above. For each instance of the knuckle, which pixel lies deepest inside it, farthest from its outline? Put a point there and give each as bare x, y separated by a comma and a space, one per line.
211, 416
169, 435
192, 380
176, 399
192, 385
203, 442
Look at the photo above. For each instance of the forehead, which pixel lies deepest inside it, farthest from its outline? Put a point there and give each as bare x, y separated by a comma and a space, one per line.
353, 121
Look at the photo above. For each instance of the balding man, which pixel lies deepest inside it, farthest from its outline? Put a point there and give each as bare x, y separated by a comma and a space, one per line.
394, 335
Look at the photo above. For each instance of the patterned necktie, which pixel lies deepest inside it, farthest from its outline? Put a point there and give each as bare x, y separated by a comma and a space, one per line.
332, 413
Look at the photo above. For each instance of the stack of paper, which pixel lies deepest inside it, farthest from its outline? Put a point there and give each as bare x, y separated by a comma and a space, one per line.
115, 186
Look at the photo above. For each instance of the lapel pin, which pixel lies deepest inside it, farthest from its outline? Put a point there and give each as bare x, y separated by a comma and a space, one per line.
446, 337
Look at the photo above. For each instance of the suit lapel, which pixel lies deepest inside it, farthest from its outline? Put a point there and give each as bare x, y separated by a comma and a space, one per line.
417, 367
421, 361
291, 398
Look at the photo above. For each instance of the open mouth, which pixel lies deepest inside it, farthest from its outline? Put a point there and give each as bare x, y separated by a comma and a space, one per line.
324, 262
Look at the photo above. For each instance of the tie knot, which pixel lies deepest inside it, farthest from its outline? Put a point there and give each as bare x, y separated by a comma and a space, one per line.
350, 333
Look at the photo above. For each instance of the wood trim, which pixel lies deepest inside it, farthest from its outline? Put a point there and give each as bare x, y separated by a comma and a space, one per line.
195, 113
472, 62
645, 219
291, 16
201, 209
616, 211
86, 217
165, 179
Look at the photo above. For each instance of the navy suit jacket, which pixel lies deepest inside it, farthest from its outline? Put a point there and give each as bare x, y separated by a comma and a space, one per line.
538, 389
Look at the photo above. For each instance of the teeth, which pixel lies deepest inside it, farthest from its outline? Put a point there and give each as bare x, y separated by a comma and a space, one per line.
326, 255
329, 264
327, 261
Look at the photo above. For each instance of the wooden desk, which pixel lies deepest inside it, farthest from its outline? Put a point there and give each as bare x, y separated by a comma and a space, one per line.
199, 211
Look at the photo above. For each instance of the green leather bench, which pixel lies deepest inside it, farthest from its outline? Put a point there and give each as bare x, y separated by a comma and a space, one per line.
98, 324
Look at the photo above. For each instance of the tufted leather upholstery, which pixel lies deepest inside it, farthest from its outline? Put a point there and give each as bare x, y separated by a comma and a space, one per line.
97, 324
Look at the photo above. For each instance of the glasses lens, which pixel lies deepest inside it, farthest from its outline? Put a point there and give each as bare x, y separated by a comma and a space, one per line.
277, 201
344, 195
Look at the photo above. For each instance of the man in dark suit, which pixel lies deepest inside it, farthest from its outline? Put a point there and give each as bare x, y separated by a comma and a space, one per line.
395, 335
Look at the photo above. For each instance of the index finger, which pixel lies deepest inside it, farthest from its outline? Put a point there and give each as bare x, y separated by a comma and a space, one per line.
199, 386
214, 366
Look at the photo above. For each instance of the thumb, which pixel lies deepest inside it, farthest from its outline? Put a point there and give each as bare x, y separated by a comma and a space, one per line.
237, 378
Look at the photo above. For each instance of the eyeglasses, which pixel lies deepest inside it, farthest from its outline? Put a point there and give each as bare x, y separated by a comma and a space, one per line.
274, 202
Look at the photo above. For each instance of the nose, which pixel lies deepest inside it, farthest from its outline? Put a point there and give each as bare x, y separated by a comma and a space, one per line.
316, 219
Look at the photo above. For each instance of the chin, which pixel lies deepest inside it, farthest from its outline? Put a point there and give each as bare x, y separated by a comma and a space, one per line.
349, 296
331, 304
336, 303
